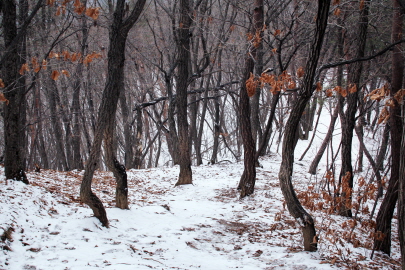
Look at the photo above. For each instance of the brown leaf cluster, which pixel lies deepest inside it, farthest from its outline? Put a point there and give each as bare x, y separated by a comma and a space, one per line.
379, 93
3, 98
78, 7
277, 83
384, 116
251, 85
300, 72
399, 96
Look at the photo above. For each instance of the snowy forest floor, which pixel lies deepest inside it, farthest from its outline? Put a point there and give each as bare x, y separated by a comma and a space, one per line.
199, 226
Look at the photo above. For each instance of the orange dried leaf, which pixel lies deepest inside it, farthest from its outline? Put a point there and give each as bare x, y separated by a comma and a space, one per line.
58, 11
65, 72
55, 75
24, 68
390, 103
35, 65
336, 2
274, 50
3, 98
318, 86
361, 5
66, 55
251, 85
399, 96
352, 88
384, 116
337, 12
300, 72
329, 92
2, 85
93, 13
277, 32
291, 85
44, 64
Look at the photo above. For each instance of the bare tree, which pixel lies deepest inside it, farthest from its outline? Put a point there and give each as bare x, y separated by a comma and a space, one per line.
286, 169
120, 27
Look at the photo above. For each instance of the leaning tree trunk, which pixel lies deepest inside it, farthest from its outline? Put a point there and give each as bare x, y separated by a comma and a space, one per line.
386, 212
186, 175
14, 108
114, 85
286, 169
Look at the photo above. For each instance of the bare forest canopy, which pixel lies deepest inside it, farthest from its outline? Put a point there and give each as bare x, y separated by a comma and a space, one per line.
116, 85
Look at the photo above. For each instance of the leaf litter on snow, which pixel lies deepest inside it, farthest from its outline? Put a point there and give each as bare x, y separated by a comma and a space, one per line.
199, 226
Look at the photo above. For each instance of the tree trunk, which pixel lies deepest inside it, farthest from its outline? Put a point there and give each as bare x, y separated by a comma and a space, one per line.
286, 169
128, 140
387, 207
52, 94
248, 178
77, 161
255, 100
325, 142
106, 116
349, 120
118, 170
14, 92
401, 200
185, 176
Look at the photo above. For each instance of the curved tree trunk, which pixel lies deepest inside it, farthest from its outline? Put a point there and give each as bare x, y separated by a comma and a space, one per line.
286, 169
386, 212
106, 116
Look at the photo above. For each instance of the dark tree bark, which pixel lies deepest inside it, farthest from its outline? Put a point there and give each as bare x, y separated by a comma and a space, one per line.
339, 105
128, 139
106, 116
401, 199
286, 169
248, 178
138, 140
183, 46
255, 100
383, 148
77, 161
14, 92
349, 120
267, 133
52, 94
325, 142
384, 216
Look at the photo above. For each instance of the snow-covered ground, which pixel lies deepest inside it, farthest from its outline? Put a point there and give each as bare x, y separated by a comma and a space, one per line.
200, 226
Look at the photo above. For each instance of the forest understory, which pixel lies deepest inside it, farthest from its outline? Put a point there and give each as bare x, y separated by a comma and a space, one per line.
199, 226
